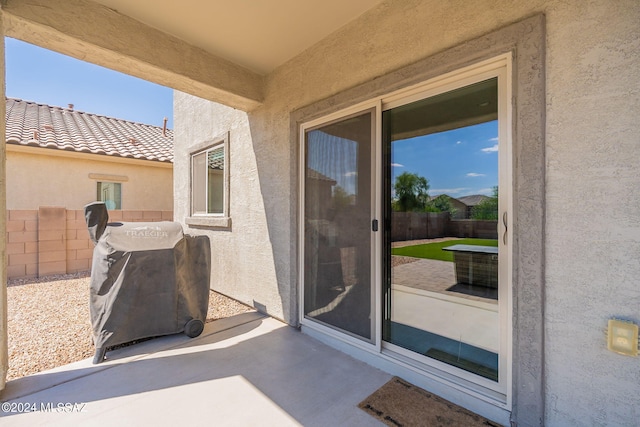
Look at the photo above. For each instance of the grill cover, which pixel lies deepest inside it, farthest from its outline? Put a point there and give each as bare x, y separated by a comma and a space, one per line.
147, 279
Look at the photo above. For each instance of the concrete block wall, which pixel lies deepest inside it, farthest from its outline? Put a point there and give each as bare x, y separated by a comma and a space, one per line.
79, 249
54, 240
22, 243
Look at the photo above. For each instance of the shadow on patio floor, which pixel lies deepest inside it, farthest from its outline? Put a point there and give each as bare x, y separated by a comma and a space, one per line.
249, 370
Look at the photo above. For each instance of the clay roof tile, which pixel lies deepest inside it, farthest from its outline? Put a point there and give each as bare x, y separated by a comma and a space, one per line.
33, 124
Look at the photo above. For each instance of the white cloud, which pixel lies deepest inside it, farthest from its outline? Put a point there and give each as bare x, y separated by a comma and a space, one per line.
397, 165
491, 149
493, 139
351, 174
474, 174
485, 191
458, 142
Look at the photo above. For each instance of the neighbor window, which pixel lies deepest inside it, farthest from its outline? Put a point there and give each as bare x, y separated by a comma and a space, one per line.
209, 180
111, 194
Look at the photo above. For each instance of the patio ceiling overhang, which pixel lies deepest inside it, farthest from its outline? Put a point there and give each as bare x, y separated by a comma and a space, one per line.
217, 50
97, 34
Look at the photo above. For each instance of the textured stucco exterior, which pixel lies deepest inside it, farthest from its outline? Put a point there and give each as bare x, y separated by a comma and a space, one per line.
577, 185
42, 177
244, 255
590, 163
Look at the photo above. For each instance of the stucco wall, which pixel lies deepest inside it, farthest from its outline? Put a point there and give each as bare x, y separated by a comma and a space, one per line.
39, 177
592, 162
593, 221
243, 260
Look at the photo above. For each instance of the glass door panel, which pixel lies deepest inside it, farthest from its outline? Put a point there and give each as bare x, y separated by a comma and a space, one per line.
441, 292
337, 224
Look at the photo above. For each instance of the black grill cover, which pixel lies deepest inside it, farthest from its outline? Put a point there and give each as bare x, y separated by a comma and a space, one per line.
147, 279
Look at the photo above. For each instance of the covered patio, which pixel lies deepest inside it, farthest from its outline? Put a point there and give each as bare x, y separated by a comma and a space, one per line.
257, 84
248, 369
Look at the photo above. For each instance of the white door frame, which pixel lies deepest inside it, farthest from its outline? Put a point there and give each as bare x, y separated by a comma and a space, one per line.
375, 215
500, 394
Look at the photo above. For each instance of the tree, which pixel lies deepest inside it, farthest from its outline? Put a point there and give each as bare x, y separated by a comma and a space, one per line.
341, 199
488, 208
441, 203
411, 192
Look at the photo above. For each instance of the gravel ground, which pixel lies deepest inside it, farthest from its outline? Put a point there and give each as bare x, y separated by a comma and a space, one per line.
49, 318
49, 321
397, 260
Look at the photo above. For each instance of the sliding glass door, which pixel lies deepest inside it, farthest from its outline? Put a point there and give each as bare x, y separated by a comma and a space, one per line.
338, 205
444, 200
404, 226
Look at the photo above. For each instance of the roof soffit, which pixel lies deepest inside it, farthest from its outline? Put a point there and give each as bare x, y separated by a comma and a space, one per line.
95, 33
258, 35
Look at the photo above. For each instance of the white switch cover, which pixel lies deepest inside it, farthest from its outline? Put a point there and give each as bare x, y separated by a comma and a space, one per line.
623, 337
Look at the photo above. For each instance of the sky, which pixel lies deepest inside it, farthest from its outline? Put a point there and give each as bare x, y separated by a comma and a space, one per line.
459, 162
47, 77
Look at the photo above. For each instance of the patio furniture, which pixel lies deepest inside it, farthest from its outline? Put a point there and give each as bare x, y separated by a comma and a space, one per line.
475, 265
147, 279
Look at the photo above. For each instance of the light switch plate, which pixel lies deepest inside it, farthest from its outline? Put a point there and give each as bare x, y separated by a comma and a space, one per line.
623, 337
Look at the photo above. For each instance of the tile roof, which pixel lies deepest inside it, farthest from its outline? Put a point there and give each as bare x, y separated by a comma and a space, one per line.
216, 158
38, 125
314, 174
473, 200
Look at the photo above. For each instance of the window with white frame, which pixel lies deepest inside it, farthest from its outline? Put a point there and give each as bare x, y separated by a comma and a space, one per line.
209, 179
111, 194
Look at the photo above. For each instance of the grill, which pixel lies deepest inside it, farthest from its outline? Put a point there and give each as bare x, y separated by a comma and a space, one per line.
147, 279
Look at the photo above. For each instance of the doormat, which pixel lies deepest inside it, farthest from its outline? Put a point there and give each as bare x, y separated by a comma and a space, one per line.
401, 404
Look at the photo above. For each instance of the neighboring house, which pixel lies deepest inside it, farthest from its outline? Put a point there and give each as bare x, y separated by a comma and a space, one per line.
469, 202
560, 77
322, 186
459, 208
60, 159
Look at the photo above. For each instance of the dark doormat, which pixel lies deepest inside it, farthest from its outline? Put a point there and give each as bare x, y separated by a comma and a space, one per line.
401, 404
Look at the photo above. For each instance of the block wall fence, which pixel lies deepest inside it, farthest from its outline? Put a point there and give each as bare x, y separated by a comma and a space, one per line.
55, 240
430, 225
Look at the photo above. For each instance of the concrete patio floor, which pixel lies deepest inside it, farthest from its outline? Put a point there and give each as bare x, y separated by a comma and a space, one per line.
242, 371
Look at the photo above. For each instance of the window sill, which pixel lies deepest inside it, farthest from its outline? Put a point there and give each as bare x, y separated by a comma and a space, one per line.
209, 221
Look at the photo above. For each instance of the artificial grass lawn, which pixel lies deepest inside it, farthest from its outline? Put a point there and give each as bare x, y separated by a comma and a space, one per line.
434, 250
